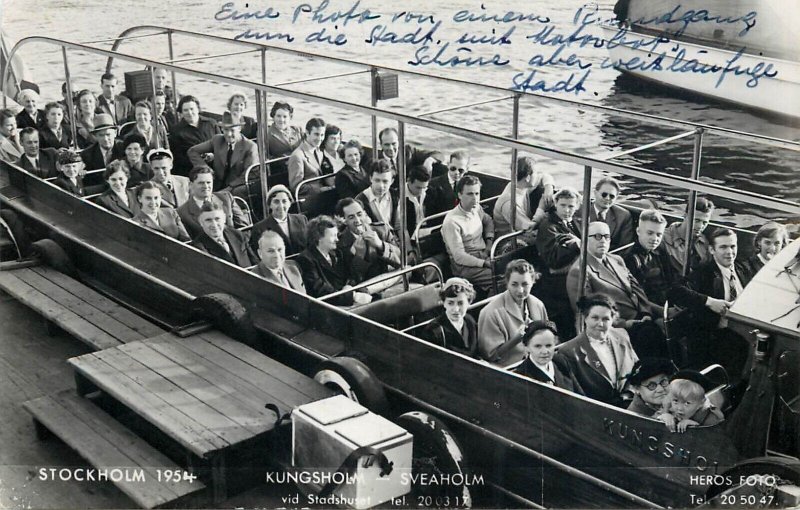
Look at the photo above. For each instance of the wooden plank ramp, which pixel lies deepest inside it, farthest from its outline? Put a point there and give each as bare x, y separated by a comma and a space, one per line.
108, 445
77, 309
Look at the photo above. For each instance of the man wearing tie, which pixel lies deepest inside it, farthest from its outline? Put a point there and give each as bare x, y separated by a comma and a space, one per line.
230, 153
442, 194
274, 266
107, 148
39, 162
174, 188
306, 160
118, 106
605, 209
221, 241
708, 293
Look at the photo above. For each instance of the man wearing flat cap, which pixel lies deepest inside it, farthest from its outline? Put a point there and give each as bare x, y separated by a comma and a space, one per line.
230, 154
648, 381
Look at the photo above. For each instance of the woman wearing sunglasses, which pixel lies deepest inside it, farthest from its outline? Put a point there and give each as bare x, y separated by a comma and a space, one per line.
649, 381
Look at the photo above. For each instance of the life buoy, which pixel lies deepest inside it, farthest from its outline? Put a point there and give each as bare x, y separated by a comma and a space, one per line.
769, 471
54, 256
226, 313
10, 222
353, 379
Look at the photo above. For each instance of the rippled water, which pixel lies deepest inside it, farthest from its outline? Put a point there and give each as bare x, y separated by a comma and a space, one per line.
725, 161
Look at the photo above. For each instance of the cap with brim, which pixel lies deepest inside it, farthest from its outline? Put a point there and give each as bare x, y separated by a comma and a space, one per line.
103, 121
278, 188
155, 152
694, 376
66, 157
646, 368
227, 121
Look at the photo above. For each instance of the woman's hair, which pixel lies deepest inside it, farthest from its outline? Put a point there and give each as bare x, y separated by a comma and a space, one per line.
536, 326
146, 185
352, 144
586, 303
49, 106
234, 96
330, 130
685, 390
118, 165
520, 266
280, 105
143, 104
771, 229
455, 286
317, 228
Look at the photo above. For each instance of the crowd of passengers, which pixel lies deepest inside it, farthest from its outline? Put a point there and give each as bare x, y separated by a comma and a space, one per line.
181, 174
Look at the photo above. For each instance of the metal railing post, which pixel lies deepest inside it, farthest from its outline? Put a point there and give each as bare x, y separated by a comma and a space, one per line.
690, 213
514, 135
401, 209
587, 193
153, 117
374, 102
262, 150
175, 94
70, 103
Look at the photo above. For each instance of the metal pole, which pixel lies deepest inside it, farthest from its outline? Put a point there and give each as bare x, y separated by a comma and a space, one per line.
514, 135
153, 117
70, 104
262, 167
401, 177
587, 193
689, 221
174, 77
374, 102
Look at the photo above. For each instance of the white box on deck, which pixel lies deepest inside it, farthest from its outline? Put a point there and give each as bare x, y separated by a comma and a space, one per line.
325, 432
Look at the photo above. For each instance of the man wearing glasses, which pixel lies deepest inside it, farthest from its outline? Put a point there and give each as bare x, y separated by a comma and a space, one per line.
442, 190
604, 208
607, 274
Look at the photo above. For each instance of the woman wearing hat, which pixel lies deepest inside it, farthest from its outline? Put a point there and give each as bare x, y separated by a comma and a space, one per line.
291, 227
70, 165
134, 146
454, 328
649, 381
118, 198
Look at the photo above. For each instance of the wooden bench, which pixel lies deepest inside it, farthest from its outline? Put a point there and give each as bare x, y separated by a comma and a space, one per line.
108, 445
77, 309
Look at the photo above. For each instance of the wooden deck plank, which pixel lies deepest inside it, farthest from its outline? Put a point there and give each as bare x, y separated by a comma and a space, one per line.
213, 422
183, 429
80, 307
106, 444
53, 311
143, 326
202, 382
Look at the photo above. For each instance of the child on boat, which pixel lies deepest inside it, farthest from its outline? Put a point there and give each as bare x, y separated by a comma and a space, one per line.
70, 165
686, 404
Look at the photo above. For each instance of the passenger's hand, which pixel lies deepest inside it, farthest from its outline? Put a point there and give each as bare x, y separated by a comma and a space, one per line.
669, 420
547, 197
208, 157
487, 263
373, 239
718, 306
361, 298
686, 423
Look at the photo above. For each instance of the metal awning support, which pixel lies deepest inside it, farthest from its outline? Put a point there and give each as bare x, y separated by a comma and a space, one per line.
126, 38
401, 184
263, 137
175, 94
70, 103
317, 78
689, 221
587, 202
373, 85
614, 155
203, 57
153, 116
467, 105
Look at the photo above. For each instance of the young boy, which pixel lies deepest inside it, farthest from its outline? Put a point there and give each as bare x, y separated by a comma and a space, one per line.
70, 165
686, 404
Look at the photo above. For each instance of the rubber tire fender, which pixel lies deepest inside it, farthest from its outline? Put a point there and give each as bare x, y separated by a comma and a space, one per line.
779, 467
433, 439
226, 313
355, 380
54, 256
17, 231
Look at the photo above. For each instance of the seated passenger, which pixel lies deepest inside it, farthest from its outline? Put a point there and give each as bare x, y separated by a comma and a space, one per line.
283, 138
306, 160
106, 148
118, 198
607, 274
220, 240
604, 208
601, 356
322, 264
193, 129
39, 162
559, 244
230, 154
54, 132
468, 233
85, 112
30, 116
649, 380
161, 219
502, 322
648, 260
332, 162
352, 179
378, 201
134, 146
201, 182
168, 112
290, 227
417, 181
274, 266
675, 237
166, 119
454, 328
369, 249
144, 128
10, 145
442, 194
770, 239
71, 167
539, 341
686, 404
237, 104
534, 192
116, 105
174, 188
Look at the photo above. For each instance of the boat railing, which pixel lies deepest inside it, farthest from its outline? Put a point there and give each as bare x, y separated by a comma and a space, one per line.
297, 192
385, 277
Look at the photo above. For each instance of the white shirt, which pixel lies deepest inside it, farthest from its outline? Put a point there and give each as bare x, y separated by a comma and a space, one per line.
726, 281
154, 217
547, 369
383, 205
598, 212
284, 225
605, 352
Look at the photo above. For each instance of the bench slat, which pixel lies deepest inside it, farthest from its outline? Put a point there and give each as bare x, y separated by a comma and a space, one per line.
107, 444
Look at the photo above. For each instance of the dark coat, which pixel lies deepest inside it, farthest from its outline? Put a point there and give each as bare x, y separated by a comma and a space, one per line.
373, 263
24, 120
139, 174
112, 202
322, 278
653, 270
48, 139
563, 376
552, 243
190, 212
751, 266
92, 156
47, 164
169, 223
183, 136
350, 182
240, 254
619, 222
441, 197
64, 183
295, 242
440, 331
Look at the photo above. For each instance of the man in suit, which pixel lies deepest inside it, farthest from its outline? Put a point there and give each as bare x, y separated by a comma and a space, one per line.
10, 146
534, 192
377, 200
676, 238
322, 264
369, 249
107, 148
190, 131
708, 293
607, 274
604, 208
54, 132
200, 191
417, 182
39, 162
442, 195
30, 116
306, 160
116, 105
291, 227
174, 188
231, 153
647, 259
220, 240
274, 266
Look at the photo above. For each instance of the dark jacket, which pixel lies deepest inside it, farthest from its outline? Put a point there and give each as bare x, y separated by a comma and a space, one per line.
552, 243
92, 156
183, 136
190, 212
440, 331
751, 266
240, 252
653, 270
619, 222
321, 277
374, 262
48, 139
47, 164
295, 242
441, 197
350, 182
112, 202
24, 120
563, 376
64, 183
